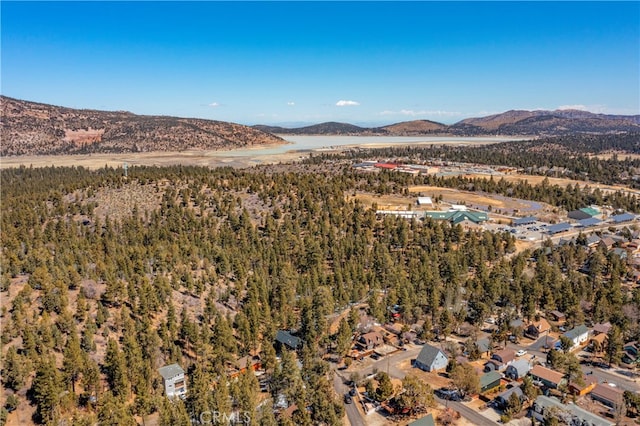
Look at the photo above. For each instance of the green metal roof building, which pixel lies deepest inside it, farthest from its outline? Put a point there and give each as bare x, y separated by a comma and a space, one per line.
456, 216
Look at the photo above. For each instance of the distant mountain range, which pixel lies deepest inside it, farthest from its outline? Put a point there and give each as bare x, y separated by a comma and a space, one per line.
515, 122
30, 128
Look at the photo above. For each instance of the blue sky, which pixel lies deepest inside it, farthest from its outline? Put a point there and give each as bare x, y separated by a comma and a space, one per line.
292, 62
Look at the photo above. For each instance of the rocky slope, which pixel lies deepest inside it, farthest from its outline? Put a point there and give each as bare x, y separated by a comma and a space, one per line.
30, 128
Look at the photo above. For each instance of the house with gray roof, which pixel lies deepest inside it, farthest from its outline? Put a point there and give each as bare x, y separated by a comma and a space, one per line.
593, 240
503, 398
569, 414
431, 358
517, 369
287, 340
620, 252
578, 335
484, 345
175, 384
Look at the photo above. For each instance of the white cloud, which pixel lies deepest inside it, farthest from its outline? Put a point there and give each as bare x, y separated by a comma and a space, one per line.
342, 103
214, 104
578, 107
291, 103
412, 113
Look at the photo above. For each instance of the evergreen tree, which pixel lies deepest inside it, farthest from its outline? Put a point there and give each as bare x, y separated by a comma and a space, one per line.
46, 391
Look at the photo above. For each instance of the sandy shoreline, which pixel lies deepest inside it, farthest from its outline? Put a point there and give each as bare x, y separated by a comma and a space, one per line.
245, 157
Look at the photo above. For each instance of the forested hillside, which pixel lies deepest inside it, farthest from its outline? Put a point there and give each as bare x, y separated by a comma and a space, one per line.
102, 286
607, 159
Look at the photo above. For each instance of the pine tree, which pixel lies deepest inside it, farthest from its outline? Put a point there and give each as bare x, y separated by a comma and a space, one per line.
72, 361
46, 390
116, 370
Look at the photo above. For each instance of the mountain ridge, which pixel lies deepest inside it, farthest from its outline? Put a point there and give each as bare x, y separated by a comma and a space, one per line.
32, 128
508, 123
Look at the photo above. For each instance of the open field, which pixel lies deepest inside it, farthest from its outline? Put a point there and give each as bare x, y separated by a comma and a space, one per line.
621, 156
449, 195
193, 158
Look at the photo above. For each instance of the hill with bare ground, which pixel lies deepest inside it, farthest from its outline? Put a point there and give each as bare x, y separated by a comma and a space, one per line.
415, 127
30, 128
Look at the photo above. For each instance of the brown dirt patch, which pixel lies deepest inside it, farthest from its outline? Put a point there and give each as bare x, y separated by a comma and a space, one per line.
456, 196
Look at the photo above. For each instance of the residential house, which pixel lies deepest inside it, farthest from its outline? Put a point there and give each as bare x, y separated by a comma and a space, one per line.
593, 240
601, 328
621, 253
547, 377
500, 360
243, 364
537, 328
558, 316
608, 395
569, 414
284, 339
503, 398
590, 382
370, 340
597, 341
484, 345
607, 242
431, 358
424, 421
517, 369
174, 381
578, 335
490, 380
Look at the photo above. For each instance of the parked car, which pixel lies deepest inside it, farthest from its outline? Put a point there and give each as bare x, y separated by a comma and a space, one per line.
448, 394
353, 392
521, 352
347, 399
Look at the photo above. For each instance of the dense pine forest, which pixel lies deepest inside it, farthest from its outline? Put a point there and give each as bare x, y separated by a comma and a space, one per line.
106, 278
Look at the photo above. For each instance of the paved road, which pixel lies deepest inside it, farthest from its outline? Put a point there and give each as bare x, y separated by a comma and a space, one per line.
468, 413
353, 414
